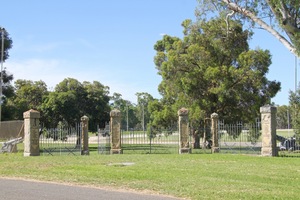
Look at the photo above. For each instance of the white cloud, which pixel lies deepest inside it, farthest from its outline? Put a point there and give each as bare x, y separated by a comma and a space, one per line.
48, 71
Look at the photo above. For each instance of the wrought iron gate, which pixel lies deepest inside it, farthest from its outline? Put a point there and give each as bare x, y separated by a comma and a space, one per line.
240, 138
61, 141
152, 142
200, 139
103, 137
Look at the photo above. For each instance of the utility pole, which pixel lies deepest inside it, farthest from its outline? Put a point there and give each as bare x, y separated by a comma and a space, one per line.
1, 78
127, 116
143, 119
296, 84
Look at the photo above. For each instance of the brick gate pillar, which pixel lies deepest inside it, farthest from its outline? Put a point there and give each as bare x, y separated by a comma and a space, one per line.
31, 133
183, 126
85, 135
214, 133
268, 123
115, 118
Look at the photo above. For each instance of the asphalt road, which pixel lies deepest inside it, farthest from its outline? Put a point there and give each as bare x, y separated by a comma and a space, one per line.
34, 190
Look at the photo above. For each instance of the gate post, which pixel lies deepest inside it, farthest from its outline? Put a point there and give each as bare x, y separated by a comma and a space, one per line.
115, 118
268, 123
183, 125
214, 133
31, 133
85, 135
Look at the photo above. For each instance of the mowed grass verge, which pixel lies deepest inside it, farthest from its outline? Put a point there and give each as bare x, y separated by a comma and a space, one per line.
194, 176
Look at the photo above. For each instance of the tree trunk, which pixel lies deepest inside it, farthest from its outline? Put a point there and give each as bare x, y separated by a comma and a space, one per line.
247, 13
196, 137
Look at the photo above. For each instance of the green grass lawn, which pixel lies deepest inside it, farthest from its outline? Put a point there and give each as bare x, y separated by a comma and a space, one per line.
190, 176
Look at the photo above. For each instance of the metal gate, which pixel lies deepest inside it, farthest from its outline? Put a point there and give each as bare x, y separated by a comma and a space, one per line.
61, 141
150, 142
200, 139
103, 138
240, 138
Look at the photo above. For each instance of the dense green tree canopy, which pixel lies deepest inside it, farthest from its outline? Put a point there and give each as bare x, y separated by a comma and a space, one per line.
212, 70
61, 107
163, 115
275, 16
97, 103
30, 92
72, 99
28, 95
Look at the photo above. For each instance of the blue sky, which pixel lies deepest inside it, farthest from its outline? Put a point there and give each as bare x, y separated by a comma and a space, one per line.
110, 42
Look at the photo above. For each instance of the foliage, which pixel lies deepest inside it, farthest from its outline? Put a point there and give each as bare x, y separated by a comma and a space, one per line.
28, 95
127, 109
284, 116
295, 105
213, 70
71, 100
7, 88
8, 92
65, 103
272, 15
143, 114
96, 104
7, 44
163, 116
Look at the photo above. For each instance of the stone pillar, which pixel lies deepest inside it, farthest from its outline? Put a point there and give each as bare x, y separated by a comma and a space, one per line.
268, 123
115, 123
31, 133
183, 125
85, 135
214, 133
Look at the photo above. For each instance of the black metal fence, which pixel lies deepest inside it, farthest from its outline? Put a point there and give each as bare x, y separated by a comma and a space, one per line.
240, 138
150, 142
61, 141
